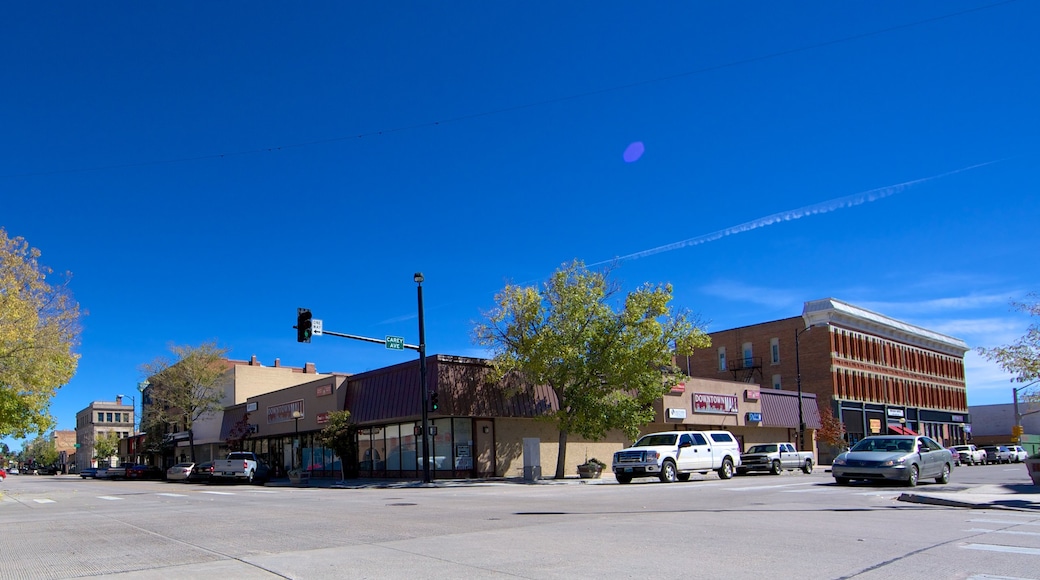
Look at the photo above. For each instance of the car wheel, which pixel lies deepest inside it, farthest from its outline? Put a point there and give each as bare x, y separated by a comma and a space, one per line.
841, 480
726, 471
914, 473
668, 472
623, 479
775, 467
249, 477
807, 468
945, 476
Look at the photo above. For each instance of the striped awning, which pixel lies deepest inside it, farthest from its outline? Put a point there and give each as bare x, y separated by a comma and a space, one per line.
780, 409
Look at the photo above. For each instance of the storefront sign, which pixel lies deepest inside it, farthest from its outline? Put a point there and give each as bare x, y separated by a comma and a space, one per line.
895, 412
754, 417
250, 407
284, 412
680, 388
676, 413
752, 394
323, 391
713, 403
322, 418
875, 425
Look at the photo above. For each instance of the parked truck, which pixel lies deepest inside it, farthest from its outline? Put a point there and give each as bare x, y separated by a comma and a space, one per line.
970, 454
775, 458
676, 455
241, 466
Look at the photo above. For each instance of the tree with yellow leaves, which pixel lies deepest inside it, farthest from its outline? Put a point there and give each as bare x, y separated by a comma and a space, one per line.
39, 328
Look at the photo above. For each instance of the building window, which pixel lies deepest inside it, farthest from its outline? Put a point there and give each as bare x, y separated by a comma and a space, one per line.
774, 350
101, 417
776, 382
747, 354
126, 417
722, 358
109, 417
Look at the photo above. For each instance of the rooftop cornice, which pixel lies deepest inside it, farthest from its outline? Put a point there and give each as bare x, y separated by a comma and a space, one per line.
842, 314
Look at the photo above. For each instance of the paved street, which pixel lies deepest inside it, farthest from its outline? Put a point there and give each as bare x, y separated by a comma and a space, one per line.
787, 526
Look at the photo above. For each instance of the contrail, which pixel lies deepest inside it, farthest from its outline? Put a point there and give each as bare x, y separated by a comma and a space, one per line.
786, 216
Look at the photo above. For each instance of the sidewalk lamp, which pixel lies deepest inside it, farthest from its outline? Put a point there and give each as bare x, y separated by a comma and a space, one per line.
296, 415
425, 400
1017, 430
798, 380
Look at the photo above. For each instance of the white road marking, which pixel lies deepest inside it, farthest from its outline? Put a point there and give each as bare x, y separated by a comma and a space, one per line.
109, 498
769, 486
1004, 532
1007, 549
260, 491
172, 494
43, 500
1009, 522
218, 492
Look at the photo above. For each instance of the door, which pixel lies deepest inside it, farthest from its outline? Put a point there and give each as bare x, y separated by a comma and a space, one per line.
685, 457
788, 456
700, 453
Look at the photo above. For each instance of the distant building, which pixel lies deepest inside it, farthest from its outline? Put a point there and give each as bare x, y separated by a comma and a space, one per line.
878, 375
101, 418
991, 424
65, 444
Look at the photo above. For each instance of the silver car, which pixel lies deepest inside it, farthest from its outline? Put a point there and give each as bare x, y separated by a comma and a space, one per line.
905, 458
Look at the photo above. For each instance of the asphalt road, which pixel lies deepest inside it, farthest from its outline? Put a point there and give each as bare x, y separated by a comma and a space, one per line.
758, 526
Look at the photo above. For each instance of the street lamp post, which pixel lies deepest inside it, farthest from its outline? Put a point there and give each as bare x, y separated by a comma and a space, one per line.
424, 394
296, 442
1014, 396
133, 418
798, 380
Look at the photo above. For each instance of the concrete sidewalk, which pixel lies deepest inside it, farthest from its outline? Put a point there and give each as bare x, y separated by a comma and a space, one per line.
1012, 496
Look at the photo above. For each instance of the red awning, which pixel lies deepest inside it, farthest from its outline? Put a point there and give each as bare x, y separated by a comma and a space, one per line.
900, 430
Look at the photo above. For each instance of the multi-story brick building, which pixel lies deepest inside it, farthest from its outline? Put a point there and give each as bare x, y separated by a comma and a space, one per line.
876, 373
100, 418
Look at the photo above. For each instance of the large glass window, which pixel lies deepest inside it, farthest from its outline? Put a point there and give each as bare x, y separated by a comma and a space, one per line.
463, 443
393, 447
443, 454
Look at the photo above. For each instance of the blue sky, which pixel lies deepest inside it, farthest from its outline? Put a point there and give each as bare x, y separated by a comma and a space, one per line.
205, 168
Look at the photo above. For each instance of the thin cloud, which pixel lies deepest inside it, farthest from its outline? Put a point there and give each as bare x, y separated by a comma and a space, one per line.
791, 215
970, 302
739, 291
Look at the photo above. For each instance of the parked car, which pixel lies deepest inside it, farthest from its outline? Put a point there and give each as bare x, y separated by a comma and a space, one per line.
201, 472
13, 471
905, 458
242, 466
179, 472
139, 471
118, 472
997, 454
970, 454
1020, 454
775, 458
676, 455
90, 472
956, 456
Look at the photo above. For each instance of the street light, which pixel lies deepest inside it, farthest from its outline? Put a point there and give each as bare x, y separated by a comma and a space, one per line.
296, 415
1018, 415
133, 406
425, 396
798, 380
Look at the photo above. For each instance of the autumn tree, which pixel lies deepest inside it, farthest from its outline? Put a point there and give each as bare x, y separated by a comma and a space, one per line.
39, 328
1022, 357
832, 430
605, 366
42, 451
340, 435
187, 386
106, 445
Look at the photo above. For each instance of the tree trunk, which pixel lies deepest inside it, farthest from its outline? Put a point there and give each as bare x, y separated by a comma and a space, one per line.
561, 456
191, 444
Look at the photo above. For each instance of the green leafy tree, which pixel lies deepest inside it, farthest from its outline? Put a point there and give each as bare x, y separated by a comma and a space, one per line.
39, 328
606, 367
340, 435
42, 451
106, 445
187, 386
1022, 357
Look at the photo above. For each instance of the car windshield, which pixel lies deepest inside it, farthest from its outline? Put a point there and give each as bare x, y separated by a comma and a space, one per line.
762, 449
884, 444
655, 440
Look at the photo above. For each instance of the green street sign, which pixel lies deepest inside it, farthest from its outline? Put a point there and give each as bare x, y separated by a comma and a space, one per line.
76, 445
395, 343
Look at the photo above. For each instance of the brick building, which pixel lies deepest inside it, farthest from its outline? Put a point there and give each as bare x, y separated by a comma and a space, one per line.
877, 374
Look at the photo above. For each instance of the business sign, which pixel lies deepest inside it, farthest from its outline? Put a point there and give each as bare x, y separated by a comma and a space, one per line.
322, 418
323, 391
752, 394
895, 412
754, 417
284, 412
713, 403
679, 388
250, 407
676, 413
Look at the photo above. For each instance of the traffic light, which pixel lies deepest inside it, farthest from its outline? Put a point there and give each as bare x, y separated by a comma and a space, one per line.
1016, 432
434, 403
303, 325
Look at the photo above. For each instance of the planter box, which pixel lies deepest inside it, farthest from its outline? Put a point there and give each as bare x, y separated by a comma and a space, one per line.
589, 472
1033, 468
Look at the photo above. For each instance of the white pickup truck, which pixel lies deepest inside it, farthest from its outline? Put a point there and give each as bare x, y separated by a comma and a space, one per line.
775, 458
241, 466
675, 455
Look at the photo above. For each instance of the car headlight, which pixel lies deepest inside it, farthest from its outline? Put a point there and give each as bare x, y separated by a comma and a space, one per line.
840, 460
894, 462
652, 455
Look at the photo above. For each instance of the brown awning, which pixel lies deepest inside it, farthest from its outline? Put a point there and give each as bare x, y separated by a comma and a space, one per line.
780, 409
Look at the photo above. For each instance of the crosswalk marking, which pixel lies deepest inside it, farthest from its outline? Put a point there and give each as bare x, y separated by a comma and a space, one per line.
43, 500
109, 498
1008, 549
172, 494
218, 492
1007, 522
1012, 532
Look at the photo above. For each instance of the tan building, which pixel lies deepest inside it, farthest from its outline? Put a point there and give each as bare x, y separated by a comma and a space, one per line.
101, 418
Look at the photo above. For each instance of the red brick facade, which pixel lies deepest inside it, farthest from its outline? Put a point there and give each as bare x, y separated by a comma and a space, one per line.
872, 371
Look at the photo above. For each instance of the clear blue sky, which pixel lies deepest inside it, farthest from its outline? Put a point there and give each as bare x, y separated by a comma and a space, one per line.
204, 168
